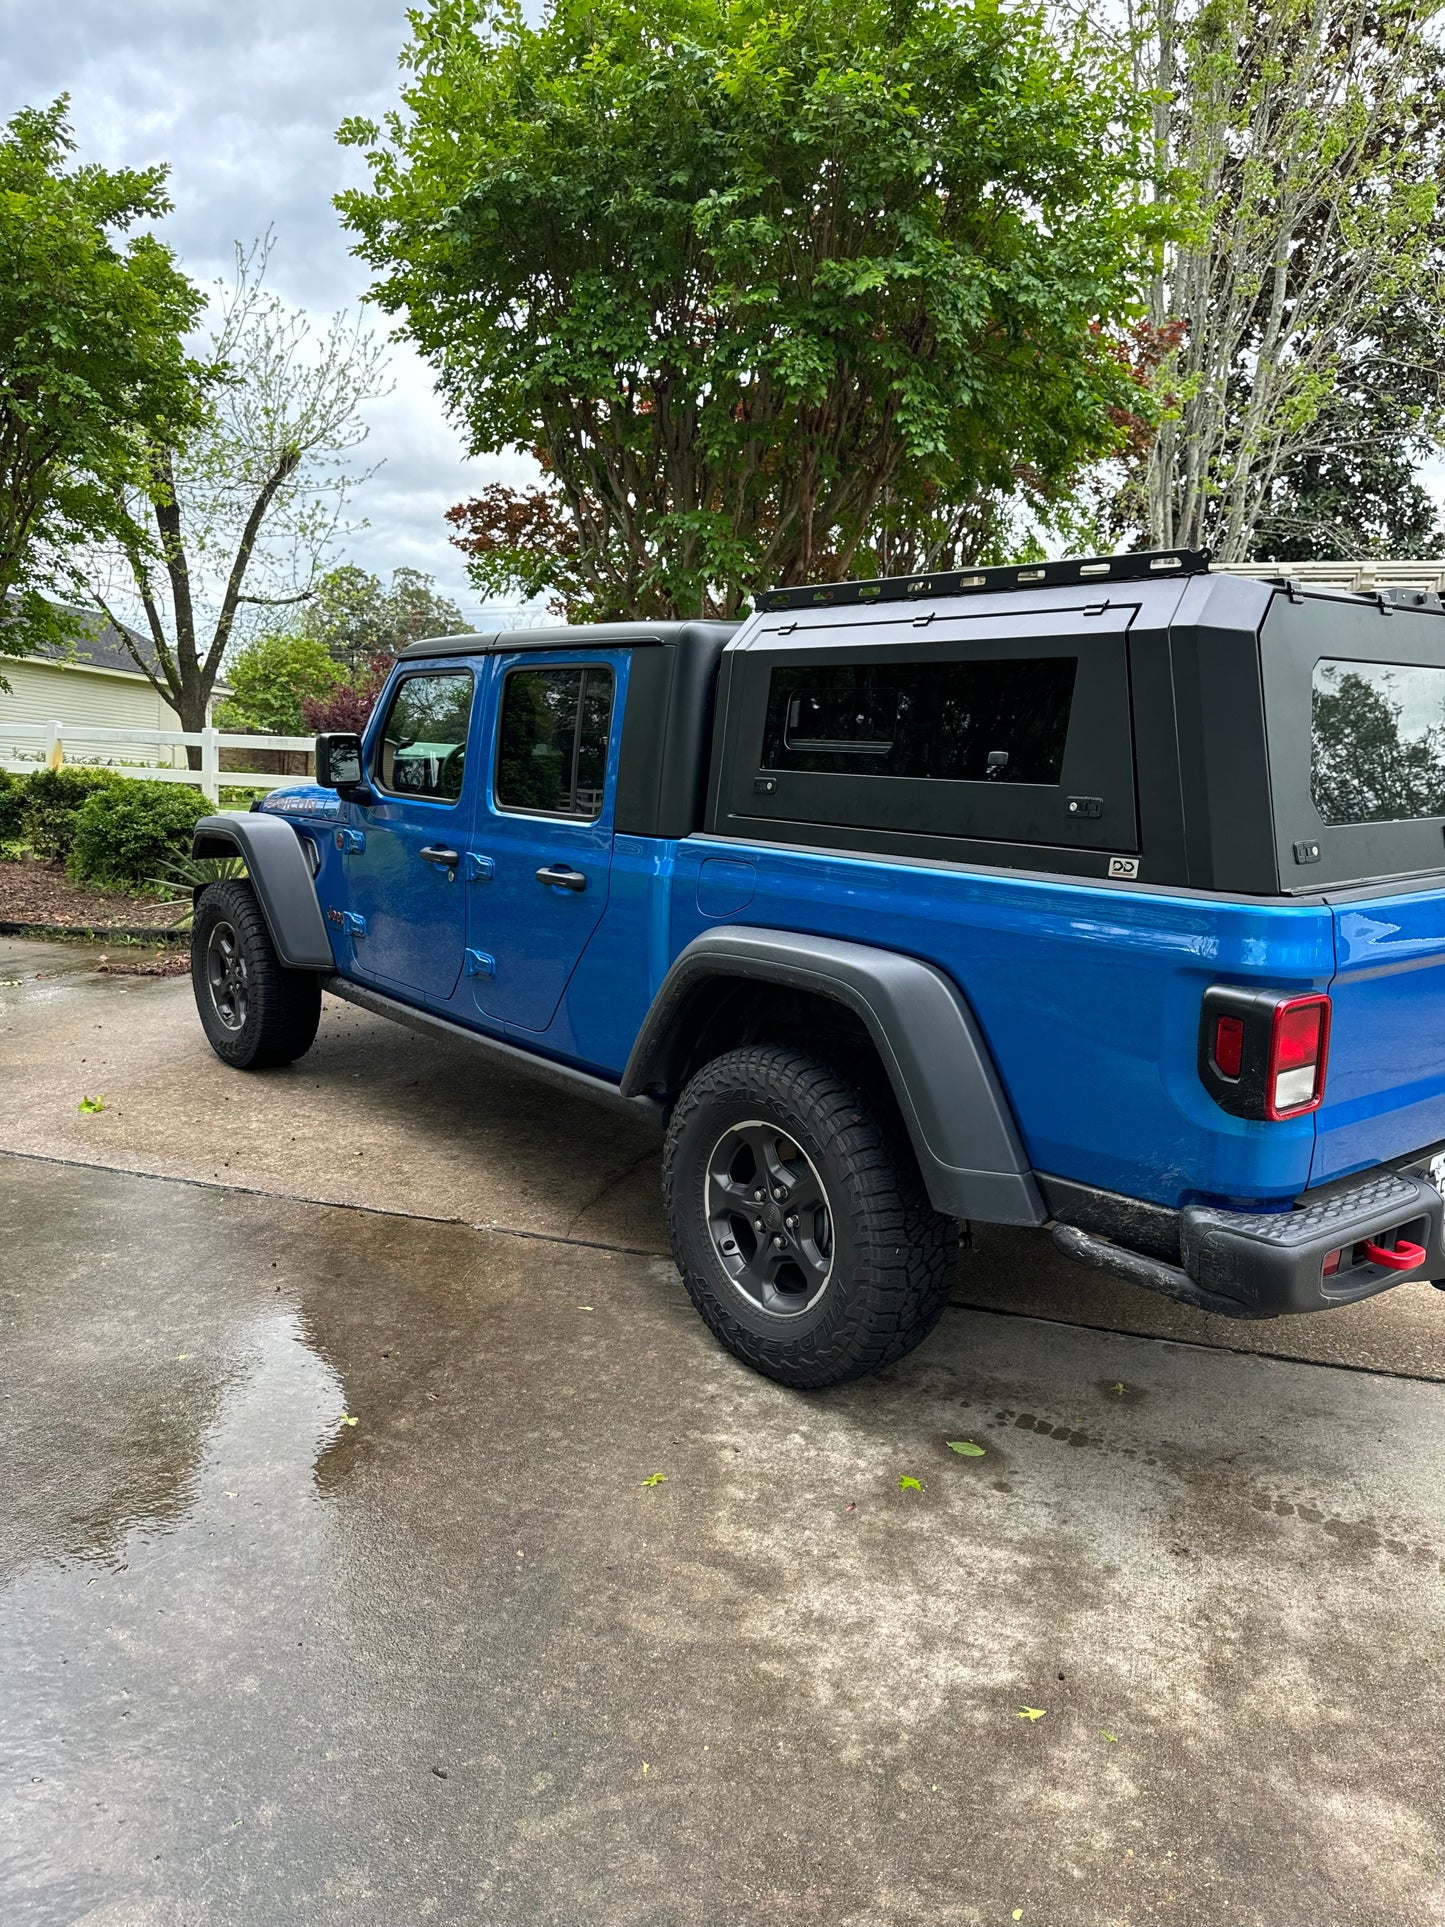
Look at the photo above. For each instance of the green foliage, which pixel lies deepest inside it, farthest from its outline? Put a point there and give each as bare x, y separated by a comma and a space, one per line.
1305, 298
53, 799
91, 358
772, 294
12, 807
270, 679
183, 874
353, 615
1356, 490
125, 832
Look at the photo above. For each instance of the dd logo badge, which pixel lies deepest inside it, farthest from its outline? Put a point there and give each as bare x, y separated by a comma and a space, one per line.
1123, 866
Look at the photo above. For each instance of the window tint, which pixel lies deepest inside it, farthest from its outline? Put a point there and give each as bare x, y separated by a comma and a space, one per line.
424, 743
552, 744
1001, 721
1378, 743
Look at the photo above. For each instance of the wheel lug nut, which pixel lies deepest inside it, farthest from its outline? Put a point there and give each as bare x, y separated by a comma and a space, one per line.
757, 1224
779, 1243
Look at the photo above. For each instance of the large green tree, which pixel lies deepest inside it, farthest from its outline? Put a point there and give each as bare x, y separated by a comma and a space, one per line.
93, 368
772, 293
1302, 303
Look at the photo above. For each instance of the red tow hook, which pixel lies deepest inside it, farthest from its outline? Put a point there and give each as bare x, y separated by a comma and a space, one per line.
1402, 1257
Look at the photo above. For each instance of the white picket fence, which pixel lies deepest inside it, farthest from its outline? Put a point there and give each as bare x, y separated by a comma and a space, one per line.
53, 740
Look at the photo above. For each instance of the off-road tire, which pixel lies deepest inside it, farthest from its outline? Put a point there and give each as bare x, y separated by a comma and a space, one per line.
893, 1257
274, 1022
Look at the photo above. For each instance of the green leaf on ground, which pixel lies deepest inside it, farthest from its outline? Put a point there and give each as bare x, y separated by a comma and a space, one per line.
91, 1104
347, 1419
965, 1448
1117, 1388
905, 1484
1112, 1738
1031, 1712
657, 1478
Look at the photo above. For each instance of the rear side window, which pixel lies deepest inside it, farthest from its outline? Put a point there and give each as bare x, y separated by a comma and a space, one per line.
1377, 747
552, 741
980, 721
906, 732
424, 742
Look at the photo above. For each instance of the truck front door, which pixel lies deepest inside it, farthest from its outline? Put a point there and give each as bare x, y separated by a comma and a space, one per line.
543, 842
405, 880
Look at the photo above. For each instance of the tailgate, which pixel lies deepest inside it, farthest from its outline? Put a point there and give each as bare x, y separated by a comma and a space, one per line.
1385, 1091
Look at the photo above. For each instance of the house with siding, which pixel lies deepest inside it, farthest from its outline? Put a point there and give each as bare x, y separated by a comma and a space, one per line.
94, 683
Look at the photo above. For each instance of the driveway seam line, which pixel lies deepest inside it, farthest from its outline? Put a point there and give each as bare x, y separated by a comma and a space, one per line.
324, 1204
1202, 1345
633, 1251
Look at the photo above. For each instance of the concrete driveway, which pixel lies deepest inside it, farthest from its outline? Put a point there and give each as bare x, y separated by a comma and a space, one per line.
456, 1661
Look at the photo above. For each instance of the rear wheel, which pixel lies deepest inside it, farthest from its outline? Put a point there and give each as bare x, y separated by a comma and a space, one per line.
799, 1221
256, 1013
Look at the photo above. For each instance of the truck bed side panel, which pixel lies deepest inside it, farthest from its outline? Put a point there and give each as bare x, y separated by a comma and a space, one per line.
1088, 996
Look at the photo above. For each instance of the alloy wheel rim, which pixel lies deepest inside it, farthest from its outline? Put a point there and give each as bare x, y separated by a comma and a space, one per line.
227, 976
769, 1218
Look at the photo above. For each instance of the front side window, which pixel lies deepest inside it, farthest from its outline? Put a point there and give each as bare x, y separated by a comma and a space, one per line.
1378, 741
424, 741
552, 741
1002, 721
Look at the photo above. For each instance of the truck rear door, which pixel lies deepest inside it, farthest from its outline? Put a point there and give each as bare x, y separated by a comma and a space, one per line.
1355, 707
543, 835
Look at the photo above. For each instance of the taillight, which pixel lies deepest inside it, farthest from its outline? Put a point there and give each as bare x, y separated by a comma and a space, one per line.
1262, 1053
1299, 1039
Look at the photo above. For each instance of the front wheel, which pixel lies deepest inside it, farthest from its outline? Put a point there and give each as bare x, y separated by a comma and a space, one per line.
255, 1012
799, 1220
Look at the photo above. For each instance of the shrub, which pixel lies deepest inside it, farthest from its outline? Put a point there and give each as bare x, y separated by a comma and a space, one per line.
12, 806
52, 799
128, 832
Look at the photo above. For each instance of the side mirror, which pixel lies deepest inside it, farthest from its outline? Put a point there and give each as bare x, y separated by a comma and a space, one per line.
338, 764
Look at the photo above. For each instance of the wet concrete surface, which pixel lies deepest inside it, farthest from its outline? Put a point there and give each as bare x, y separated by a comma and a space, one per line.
456, 1661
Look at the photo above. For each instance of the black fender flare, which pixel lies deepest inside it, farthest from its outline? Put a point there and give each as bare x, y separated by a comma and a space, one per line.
958, 1117
281, 877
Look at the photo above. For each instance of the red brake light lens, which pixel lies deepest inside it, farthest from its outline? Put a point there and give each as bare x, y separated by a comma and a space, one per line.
1298, 1048
1229, 1046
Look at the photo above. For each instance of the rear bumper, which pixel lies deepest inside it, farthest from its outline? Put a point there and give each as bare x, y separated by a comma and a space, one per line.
1246, 1264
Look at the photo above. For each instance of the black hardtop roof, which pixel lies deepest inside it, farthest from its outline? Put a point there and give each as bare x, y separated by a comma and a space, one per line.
568, 635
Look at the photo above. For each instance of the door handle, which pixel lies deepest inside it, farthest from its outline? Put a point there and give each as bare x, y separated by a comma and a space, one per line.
434, 853
563, 878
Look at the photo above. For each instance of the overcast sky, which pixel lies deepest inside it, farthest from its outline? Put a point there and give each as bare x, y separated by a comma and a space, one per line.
242, 99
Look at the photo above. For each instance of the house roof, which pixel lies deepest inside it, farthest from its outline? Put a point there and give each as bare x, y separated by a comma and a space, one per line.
99, 644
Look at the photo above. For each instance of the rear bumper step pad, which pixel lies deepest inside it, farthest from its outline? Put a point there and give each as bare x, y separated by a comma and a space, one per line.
1248, 1264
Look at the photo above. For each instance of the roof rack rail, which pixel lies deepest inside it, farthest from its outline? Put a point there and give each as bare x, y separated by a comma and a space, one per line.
1014, 575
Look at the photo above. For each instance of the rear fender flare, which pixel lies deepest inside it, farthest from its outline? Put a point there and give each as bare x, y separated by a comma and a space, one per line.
281, 878
958, 1117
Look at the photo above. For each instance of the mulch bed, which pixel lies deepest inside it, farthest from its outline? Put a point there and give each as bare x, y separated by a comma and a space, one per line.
162, 963
38, 897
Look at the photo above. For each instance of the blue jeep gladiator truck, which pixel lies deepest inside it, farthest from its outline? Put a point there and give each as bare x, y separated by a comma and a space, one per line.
1106, 895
